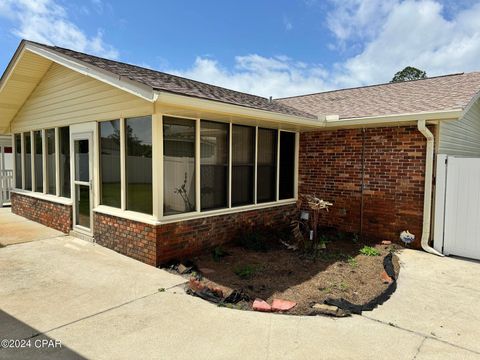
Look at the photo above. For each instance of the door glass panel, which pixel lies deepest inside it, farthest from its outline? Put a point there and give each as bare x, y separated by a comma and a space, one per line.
82, 205
81, 160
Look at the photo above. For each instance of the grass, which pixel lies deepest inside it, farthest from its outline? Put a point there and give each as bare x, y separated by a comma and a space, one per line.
369, 251
139, 196
352, 261
245, 271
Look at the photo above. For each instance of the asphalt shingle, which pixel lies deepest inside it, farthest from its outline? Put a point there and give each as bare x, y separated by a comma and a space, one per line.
179, 85
440, 93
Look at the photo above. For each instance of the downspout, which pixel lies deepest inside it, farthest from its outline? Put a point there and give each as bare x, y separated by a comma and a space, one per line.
427, 194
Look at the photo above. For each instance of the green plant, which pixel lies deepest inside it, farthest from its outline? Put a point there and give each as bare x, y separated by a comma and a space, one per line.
161, 290
218, 253
369, 251
352, 261
342, 286
245, 271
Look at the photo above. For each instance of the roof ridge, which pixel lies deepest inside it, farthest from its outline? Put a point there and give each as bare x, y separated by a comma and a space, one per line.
375, 85
148, 69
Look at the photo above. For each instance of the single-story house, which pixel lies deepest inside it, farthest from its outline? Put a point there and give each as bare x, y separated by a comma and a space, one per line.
157, 166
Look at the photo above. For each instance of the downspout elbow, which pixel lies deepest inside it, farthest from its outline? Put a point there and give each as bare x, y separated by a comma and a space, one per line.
427, 200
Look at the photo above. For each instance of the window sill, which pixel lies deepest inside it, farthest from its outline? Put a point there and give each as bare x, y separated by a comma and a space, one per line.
126, 214
199, 215
46, 197
149, 219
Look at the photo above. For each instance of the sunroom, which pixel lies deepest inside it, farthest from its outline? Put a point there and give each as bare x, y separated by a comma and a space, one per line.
158, 168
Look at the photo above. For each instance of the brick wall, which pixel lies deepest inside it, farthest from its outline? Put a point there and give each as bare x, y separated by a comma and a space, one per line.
158, 244
54, 215
180, 239
131, 238
331, 167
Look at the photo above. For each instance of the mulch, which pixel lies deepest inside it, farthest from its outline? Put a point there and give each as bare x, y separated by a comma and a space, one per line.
339, 272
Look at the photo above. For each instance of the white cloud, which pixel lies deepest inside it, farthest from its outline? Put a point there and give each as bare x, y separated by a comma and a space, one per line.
274, 76
47, 22
416, 33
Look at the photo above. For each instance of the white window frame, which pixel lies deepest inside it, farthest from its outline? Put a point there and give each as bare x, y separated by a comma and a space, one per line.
229, 209
33, 192
158, 218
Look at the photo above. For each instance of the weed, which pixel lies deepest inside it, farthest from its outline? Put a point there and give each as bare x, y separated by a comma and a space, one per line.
352, 261
369, 251
332, 256
342, 286
245, 271
161, 290
218, 253
326, 290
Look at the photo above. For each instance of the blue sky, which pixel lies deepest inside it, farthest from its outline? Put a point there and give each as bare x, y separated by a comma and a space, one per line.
277, 48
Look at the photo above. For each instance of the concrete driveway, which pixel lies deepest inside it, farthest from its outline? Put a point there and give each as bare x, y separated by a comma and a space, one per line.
102, 305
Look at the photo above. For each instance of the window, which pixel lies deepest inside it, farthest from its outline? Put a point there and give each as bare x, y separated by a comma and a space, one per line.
138, 141
214, 149
18, 161
243, 164
178, 165
287, 165
38, 160
64, 145
50, 158
110, 163
267, 165
28, 160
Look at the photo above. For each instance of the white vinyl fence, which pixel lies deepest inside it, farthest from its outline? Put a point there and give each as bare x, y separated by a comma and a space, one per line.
6, 185
457, 210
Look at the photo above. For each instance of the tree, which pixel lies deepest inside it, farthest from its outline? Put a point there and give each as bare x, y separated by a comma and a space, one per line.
409, 73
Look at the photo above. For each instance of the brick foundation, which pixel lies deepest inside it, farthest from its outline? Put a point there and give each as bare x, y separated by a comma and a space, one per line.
158, 244
51, 214
179, 239
131, 238
394, 163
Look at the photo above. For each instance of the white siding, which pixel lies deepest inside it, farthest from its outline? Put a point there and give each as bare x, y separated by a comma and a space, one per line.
461, 138
65, 97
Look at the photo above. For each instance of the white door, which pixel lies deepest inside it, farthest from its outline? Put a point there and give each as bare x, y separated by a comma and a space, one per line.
81, 148
462, 208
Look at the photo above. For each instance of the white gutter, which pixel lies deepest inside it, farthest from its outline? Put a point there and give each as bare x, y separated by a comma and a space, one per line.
333, 121
427, 193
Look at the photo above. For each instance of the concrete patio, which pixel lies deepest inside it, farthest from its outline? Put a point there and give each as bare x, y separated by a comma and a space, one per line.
102, 305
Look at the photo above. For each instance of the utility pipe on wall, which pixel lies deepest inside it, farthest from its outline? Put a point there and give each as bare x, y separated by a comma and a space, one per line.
427, 200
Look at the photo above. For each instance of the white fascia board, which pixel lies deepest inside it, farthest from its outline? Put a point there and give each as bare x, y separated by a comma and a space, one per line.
393, 120
185, 101
121, 82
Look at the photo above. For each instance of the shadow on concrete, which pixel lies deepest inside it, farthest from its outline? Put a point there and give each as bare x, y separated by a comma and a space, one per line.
29, 343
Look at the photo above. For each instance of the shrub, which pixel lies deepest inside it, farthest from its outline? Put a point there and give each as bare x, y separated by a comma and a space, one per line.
369, 251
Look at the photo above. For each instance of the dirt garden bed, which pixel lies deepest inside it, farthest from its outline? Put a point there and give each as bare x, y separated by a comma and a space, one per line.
345, 269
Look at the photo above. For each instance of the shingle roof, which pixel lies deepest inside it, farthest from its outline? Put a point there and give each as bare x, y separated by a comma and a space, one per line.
449, 92
179, 85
